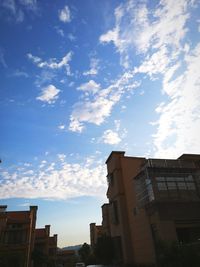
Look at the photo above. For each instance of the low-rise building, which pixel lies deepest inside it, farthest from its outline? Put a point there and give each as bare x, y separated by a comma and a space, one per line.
17, 232
45, 248
96, 231
21, 244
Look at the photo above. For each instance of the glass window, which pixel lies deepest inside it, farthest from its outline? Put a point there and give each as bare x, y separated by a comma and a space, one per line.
160, 179
150, 192
170, 179
182, 186
189, 178
191, 186
171, 185
161, 186
179, 179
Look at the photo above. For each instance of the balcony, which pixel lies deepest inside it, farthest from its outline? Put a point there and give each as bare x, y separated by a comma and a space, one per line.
169, 163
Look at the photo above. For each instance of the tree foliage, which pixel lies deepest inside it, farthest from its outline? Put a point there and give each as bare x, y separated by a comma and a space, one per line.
84, 252
173, 254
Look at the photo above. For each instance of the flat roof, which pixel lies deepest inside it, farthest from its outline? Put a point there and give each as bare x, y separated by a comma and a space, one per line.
114, 152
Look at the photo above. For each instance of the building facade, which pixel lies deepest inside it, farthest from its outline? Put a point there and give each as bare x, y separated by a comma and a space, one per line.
21, 244
151, 200
17, 233
96, 231
45, 248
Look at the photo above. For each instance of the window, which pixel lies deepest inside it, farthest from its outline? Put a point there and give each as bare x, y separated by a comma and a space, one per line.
175, 183
189, 178
171, 185
160, 179
182, 186
144, 191
190, 186
161, 186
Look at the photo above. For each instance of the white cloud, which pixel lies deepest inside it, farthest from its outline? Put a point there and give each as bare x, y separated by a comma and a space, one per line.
155, 64
46, 76
117, 124
51, 63
110, 137
49, 94
10, 5
61, 157
71, 37
60, 180
94, 67
17, 10
61, 127
59, 31
140, 28
26, 204
96, 107
178, 126
159, 37
19, 73
64, 15
2, 59
75, 125
89, 87
29, 4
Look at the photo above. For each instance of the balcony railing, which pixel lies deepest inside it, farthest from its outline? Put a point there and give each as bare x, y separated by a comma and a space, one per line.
169, 163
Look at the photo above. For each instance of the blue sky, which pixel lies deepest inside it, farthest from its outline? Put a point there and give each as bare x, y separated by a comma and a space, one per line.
82, 78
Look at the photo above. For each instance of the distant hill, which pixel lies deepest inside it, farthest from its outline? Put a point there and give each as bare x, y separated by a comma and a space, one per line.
76, 247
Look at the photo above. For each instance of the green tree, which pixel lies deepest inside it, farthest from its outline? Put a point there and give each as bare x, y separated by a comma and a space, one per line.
173, 254
84, 252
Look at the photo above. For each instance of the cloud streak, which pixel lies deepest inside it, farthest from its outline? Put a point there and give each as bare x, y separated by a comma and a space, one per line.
52, 63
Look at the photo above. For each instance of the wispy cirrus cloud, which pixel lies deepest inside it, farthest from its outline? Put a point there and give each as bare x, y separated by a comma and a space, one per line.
52, 63
20, 73
179, 122
2, 58
64, 14
16, 9
159, 36
49, 94
29, 4
55, 180
96, 105
94, 67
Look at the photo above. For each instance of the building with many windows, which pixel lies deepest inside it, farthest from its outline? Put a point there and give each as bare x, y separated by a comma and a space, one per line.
151, 200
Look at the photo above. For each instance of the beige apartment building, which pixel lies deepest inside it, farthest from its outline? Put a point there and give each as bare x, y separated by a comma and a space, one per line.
151, 200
